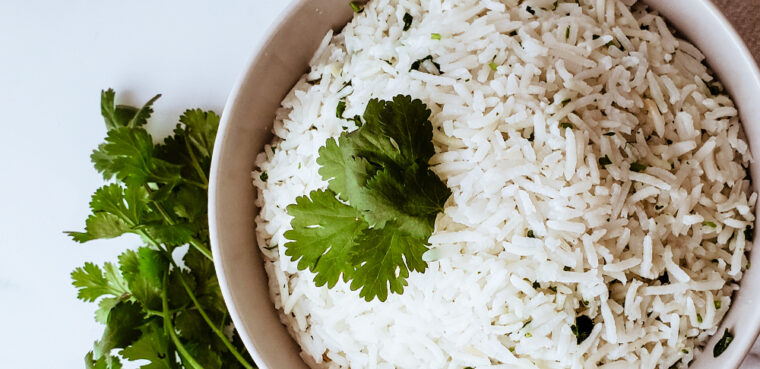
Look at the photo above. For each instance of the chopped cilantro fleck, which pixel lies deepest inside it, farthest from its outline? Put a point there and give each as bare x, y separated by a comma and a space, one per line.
567, 268
530, 234
567, 32
749, 233
566, 125
709, 224
638, 167
664, 278
493, 66
356, 7
408, 19
717, 304
605, 161
699, 318
435, 36
263, 176
340, 109
416, 65
582, 327
723, 343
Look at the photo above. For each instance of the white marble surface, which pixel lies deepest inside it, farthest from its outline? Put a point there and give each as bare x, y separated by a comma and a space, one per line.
55, 56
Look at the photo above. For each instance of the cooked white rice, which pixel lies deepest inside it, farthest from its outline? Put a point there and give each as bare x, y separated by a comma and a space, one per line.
603, 236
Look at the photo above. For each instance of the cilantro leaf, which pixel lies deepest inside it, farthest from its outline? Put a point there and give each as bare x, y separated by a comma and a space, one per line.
395, 132
115, 211
121, 328
346, 172
127, 154
152, 346
323, 234
384, 261
152, 308
92, 283
391, 199
105, 362
143, 270
413, 198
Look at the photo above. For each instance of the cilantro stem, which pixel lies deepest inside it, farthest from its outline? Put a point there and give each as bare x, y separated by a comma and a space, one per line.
195, 163
166, 312
164, 214
202, 249
169, 327
211, 324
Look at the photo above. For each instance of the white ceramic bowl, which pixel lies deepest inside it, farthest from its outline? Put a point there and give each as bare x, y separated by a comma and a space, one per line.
283, 57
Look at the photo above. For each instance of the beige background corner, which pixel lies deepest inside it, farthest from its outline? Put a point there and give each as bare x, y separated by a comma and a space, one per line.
744, 15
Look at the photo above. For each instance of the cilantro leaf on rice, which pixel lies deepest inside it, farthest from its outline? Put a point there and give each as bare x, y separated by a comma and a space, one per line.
381, 171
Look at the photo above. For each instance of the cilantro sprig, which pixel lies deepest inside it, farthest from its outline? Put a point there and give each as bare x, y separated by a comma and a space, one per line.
371, 226
154, 309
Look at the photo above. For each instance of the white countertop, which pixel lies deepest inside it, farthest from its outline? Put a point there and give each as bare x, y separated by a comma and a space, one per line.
55, 57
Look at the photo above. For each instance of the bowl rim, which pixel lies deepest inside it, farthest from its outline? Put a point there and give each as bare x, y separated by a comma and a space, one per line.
742, 52
222, 132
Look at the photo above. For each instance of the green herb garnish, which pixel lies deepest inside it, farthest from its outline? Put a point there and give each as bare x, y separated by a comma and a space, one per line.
493, 66
435, 36
582, 328
718, 304
530, 234
638, 167
709, 224
567, 268
340, 109
416, 65
372, 223
356, 7
408, 19
605, 161
699, 318
749, 233
564, 125
567, 32
153, 310
723, 343
263, 176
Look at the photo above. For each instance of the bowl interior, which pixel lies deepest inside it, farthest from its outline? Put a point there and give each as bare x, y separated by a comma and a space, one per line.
284, 56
